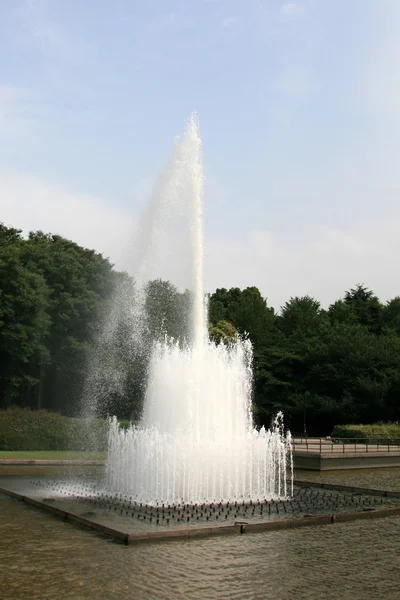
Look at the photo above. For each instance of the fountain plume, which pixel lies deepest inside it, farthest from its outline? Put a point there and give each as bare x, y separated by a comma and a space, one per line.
196, 441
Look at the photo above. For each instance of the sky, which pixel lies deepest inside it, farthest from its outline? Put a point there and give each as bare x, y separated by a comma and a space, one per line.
299, 108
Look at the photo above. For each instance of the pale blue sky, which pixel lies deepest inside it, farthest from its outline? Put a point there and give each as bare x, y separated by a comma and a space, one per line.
299, 111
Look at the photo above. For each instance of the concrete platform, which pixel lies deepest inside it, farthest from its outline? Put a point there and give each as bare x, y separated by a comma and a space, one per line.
332, 461
90, 513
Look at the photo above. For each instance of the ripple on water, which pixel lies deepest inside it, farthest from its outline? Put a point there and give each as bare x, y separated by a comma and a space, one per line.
377, 479
42, 557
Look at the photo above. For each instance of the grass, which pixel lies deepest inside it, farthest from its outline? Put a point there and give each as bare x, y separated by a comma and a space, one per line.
51, 455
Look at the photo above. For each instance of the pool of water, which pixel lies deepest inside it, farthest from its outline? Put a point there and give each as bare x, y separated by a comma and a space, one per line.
42, 557
377, 479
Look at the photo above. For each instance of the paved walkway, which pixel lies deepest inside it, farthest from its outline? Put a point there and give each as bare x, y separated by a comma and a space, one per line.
49, 462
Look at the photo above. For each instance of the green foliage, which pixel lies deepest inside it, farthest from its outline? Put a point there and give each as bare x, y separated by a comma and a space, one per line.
370, 433
53, 294
247, 310
65, 333
223, 331
391, 315
80, 282
302, 317
320, 367
24, 429
167, 311
24, 321
366, 307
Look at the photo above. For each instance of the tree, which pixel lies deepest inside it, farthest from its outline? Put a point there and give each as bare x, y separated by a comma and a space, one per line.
168, 312
391, 315
247, 310
24, 323
220, 302
79, 283
366, 306
72, 329
342, 312
302, 317
362, 368
223, 331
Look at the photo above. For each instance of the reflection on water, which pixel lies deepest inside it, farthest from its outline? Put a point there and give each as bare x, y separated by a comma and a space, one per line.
377, 479
44, 558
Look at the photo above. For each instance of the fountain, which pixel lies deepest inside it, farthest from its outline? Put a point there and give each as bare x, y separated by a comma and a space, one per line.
196, 441
195, 465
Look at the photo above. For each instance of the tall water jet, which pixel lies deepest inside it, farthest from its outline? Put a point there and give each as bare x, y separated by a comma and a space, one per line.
192, 146
196, 441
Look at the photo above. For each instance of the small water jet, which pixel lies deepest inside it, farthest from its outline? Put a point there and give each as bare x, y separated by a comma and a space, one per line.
196, 442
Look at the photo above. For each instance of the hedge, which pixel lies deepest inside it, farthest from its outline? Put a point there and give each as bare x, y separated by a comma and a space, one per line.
22, 429
370, 433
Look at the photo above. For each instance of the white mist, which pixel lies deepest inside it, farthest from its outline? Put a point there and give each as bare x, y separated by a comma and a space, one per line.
196, 442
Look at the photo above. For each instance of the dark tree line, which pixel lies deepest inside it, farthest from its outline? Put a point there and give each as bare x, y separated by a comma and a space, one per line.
53, 294
66, 313
321, 367
66, 323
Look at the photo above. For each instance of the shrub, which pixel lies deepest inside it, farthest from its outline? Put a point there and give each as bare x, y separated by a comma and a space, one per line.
24, 429
370, 433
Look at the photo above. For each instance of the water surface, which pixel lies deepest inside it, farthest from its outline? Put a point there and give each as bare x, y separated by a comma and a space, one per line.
44, 558
377, 479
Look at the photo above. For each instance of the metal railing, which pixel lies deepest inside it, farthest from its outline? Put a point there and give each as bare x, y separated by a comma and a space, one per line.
342, 445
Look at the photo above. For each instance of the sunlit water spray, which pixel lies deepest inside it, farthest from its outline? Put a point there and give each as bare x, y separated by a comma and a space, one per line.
196, 441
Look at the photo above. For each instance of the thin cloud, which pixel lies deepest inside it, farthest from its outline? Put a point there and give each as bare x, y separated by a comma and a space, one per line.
30, 203
294, 81
19, 113
291, 8
379, 88
321, 261
46, 35
229, 21
37, 28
